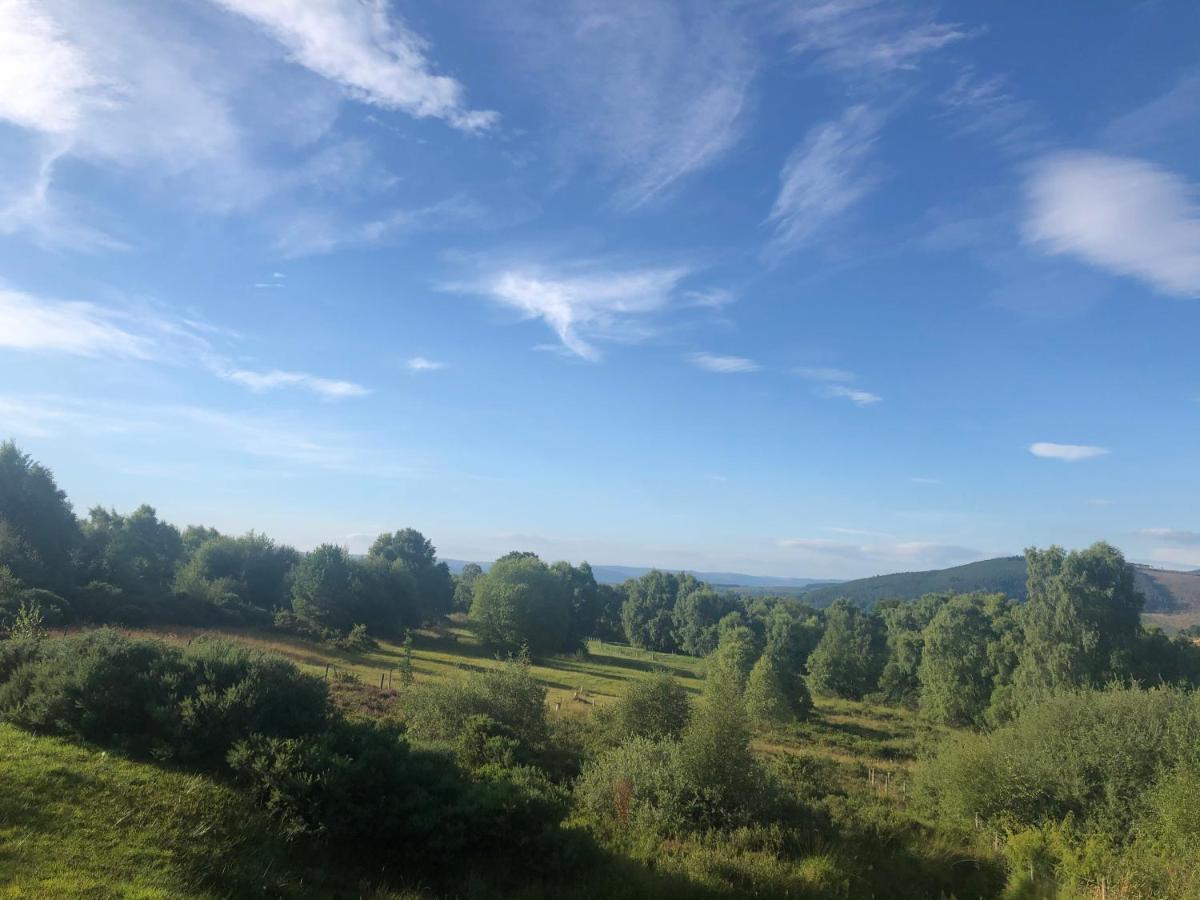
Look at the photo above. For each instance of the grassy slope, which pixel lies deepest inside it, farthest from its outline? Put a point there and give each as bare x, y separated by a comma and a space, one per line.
78, 822
601, 675
141, 831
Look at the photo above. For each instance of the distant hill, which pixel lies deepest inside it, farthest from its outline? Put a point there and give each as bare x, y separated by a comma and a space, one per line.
1172, 598
1005, 575
619, 574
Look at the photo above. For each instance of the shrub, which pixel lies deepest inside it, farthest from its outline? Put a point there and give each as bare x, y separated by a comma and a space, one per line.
507, 696
362, 785
1091, 754
655, 707
148, 698
635, 789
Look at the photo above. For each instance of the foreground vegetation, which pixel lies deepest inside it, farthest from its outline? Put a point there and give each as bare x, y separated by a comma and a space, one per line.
376, 727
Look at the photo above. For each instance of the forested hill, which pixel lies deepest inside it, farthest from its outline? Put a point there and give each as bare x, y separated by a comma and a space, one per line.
1165, 591
1005, 575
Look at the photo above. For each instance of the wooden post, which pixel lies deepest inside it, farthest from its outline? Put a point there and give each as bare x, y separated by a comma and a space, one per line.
381, 681
326, 671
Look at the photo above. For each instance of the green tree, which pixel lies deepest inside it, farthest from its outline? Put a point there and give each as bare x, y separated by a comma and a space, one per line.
578, 585
253, 568
905, 621
434, 584
734, 657
655, 707
137, 553
767, 703
464, 586
959, 670
849, 658
647, 612
321, 593
791, 632
695, 617
38, 530
521, 601
1081, 621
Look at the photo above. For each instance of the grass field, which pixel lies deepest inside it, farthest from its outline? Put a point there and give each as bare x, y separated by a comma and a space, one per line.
75, 821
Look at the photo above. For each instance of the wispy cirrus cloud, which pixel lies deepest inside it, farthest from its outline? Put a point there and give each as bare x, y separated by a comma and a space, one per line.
857, 396
1123, 215
1067, 452
867, 38
37, 324
1173, 535
82, 329
274, 379
45, 81
647, 91
722, 365
583, 303
901, 554
422, 364
364, 47
832, 383
823, 178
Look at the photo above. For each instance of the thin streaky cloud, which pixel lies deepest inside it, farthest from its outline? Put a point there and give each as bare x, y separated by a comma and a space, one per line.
81, 329
274, 379
868, 38
422, 364
855, 395
362, 46
1173, 535
1067, 452
824, 374
722, 365
823, 178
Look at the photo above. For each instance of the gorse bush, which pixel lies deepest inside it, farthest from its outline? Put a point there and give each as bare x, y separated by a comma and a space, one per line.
1093, 755
505, 702
655, 707
148, 698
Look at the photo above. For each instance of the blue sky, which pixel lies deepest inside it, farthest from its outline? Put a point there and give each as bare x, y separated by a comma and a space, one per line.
820, 289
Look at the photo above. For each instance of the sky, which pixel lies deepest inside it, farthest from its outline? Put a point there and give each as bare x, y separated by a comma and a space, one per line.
821, 289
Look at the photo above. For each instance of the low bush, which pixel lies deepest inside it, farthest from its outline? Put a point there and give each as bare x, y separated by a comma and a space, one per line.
148, 698
656, 707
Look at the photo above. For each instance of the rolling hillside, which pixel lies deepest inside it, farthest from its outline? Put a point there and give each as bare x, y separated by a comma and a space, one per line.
1172, 598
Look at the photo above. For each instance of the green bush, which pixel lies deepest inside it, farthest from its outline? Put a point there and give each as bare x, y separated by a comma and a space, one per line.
656, 707
1090, 754
363, 786
508, 697
146, 697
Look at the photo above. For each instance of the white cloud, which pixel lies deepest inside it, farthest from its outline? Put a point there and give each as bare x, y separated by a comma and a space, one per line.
712, 298
45, 81
356, 44
722, 365
421, 364
855, 395
82, 329
1066, 452
648, 91
262, 382
1176, 556
1124, 215
316, 233
867, 37
593, 304
899, 554
824, 374
823, 178
1173, 535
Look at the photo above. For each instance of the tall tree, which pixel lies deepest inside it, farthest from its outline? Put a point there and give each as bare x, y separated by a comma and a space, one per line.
521, 601
649, 603
961, 664
38, 530
848, 660
322, 592
1082, 619
695, 617
435, 586
137, 553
